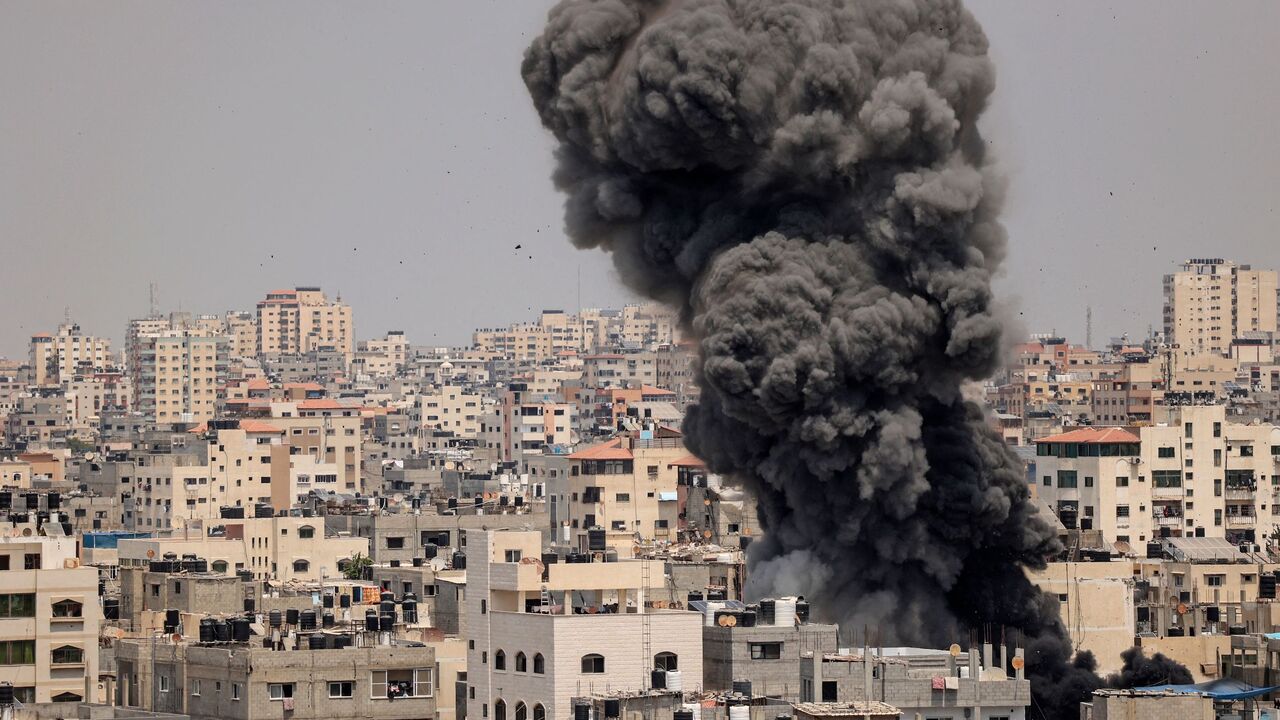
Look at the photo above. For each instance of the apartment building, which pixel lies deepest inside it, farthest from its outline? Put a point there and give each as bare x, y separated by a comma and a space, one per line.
49, 617
382, 357
280, 547
620, 370
301, 320
527, 423
1194, 475
621, 486
215, 681
177, 375
327, 430
1209, 302
450, 408
540, 635
66, 355
241, 329
1128, 396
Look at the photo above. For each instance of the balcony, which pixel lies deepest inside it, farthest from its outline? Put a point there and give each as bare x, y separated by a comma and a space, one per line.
1166, 520
1243, 492
1241, 521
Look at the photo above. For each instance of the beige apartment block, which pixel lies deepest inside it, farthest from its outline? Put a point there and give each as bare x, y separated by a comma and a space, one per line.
49, 618
1096, 604
302, 320
67, 354
450, 408
328, 431
382, 357
1191, 474
539, 636
272, 548
1210, 302
177, 375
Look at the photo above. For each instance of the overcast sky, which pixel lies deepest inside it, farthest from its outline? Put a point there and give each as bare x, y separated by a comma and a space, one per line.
388, 151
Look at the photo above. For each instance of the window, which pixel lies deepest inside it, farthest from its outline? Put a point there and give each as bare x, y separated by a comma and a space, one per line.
1166, 478
301, 566
1187, 429
1088, 481
1246, 451
522, 712
592, 664
306, 532
1122, 481
1217, 429
513, 556
235, 691
499, 710
1122, 511
195, 688
539, 666
1066, 478
395, 543
622, 497
406, 682
18, 605
67, 655
829, 691
164, 682
341, 689
766, 651
219, 566
665, 661
280, 691
500, 660
1165, 452
31, 561
539, 712
1215, 580
522, 662
18, 652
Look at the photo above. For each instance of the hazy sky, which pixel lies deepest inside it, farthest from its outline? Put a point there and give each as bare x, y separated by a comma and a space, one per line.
388, 151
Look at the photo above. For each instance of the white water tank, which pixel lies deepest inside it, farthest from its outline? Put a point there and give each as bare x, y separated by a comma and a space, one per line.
674, 682
784, 612
709, 617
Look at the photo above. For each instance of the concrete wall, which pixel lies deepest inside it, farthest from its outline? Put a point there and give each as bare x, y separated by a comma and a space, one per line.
727, 656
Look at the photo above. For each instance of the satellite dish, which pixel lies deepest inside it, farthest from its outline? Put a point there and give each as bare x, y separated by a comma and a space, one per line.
398, 498
151, 553
954, 650
706, 534
450, 465
176, 638
1017, 663
88, 456
1182, 609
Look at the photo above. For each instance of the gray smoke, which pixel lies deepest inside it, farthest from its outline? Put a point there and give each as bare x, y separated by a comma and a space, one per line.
805, 180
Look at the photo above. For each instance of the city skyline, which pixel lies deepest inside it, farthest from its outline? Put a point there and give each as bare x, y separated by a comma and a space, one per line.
340, 162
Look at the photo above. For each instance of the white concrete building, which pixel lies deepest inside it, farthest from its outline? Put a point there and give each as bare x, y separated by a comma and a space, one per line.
538, 636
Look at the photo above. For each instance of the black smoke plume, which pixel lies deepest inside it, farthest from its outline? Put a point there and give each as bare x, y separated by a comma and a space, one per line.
1142, 671
805, 180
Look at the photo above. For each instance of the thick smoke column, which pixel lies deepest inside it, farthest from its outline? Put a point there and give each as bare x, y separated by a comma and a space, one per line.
805, 180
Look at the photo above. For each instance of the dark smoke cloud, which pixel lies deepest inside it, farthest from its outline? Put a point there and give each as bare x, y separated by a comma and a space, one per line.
805, 180
1142, 671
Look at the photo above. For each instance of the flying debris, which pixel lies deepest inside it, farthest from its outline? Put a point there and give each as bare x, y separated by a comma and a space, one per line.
806, 182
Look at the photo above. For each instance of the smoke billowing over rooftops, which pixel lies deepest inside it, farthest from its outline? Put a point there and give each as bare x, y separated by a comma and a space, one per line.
806, 181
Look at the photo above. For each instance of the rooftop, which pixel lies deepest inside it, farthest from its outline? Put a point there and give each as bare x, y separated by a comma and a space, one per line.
1091, 436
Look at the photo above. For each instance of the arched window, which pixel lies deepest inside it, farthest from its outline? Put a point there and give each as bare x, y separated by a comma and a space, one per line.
539, 667
522, 712
67, 655
68, 609
301, 566
499, 710
499, 660
539, 712
66, 697
593, 664
219, 566
306, 532
665, 661
522, 663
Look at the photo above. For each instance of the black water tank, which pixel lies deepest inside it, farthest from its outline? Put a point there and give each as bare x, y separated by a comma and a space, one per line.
748, 619
765, 614
250, 605
326, 620
612, 708
1237, 630
658, 679
6, 499
240, 629
222, 631
742, 687
111, 608
6, 694
371, 620
430, 550
395, 563
409, 608
33, 501
459, 561
479, 500
581, 711
453, 503
695, 596
307, 620
386, 623
207, 633
262, 510
595, 539
171, 621
315, 642
291, 616
54, 500
802, 612
682, 715
417, 562
274, 618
